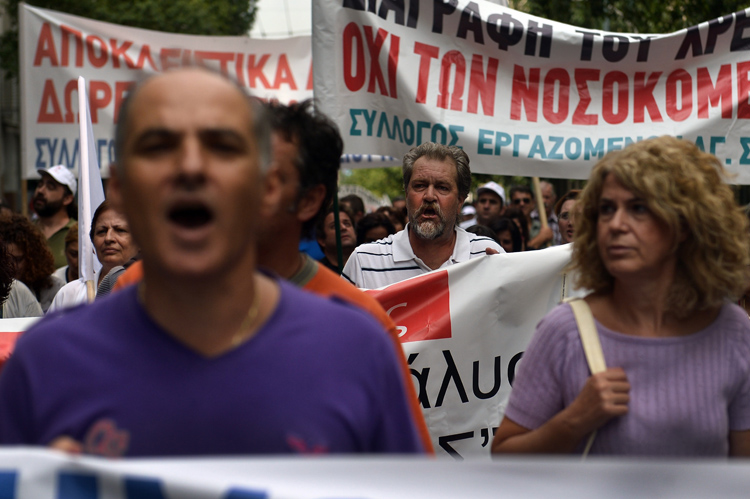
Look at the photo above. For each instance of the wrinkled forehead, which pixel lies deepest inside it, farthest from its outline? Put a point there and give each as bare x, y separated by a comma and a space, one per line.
189, 98
433, 167
110, 217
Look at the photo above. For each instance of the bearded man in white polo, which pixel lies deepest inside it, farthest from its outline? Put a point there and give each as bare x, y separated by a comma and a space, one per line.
437, 180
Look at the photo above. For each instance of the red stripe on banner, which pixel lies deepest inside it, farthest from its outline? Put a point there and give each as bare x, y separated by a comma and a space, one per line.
7, 344
420, 307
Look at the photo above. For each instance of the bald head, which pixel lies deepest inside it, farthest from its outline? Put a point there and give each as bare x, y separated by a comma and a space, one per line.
165, 84
189, 178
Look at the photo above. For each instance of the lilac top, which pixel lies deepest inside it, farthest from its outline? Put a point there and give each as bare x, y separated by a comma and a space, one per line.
318, 377
686, 393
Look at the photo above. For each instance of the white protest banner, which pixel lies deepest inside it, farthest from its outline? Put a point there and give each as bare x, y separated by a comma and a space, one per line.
41, 474
57, 48
464, 330
524, 95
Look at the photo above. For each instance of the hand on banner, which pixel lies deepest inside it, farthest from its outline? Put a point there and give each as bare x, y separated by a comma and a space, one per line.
491, 251
67, 445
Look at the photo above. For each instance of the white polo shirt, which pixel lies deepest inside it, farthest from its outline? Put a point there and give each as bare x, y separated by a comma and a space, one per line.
390, 260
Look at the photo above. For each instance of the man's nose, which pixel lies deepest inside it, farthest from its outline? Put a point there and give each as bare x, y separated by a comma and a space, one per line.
191, 157
191, 161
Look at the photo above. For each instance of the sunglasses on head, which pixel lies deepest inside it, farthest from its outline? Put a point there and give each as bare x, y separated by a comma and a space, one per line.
522, 201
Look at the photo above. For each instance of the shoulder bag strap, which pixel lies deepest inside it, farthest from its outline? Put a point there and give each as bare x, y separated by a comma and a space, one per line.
592, 348
589, 337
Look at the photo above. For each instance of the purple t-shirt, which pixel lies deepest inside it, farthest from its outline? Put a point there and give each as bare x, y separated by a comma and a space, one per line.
319, 377
686, 393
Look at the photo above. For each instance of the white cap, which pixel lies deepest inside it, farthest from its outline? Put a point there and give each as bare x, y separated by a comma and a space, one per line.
62, 175
492, 187
468, 210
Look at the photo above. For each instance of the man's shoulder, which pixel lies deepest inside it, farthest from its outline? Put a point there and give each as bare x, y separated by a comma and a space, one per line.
326, 283
78, 324
335, 324
21, 302
476, 244
61, 232
383, 262
70, 295
381, 247
394, 249
314, 307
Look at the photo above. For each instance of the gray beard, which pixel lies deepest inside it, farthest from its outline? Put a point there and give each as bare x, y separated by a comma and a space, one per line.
428, 230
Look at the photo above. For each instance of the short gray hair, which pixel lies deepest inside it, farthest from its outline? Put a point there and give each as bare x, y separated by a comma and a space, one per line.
544, 184
260, 119
433, 150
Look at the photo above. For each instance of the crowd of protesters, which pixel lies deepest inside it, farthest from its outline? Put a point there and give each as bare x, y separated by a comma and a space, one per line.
510, 224
212, 187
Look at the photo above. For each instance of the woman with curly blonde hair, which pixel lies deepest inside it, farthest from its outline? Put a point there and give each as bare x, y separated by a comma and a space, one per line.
662, 245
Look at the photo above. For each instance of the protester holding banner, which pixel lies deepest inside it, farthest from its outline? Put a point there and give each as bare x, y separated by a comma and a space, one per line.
373, 227
69, 272
549, 198
564, 213
32, 259
538, 236
507, 234
16, 298
490, 203
355, 205
664, 248
517, 216
325, 232
396, 217
54, 205
437, 179
114, 246
206, 356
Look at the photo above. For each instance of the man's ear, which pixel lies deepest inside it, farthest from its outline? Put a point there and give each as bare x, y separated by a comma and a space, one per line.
309, 205
67, 199
114, 189
271, 194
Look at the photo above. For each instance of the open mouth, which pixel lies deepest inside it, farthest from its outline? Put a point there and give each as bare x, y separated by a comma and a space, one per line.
191, 216
428, 211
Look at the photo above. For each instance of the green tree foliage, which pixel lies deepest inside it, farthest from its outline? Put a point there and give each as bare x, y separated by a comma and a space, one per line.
194, 17
389, 181
630, 16
377, 180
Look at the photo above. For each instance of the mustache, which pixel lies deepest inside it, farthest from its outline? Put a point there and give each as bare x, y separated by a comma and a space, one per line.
429, 206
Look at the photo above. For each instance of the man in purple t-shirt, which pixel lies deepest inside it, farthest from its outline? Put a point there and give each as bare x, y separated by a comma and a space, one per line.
206, 355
